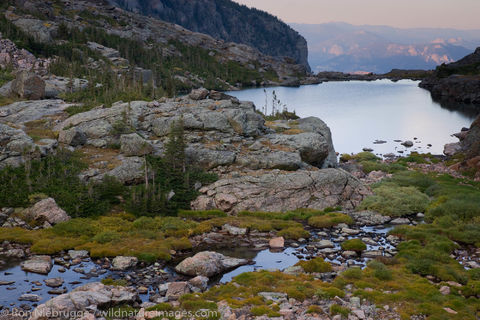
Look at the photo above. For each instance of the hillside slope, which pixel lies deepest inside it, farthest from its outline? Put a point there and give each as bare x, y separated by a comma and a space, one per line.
227, 20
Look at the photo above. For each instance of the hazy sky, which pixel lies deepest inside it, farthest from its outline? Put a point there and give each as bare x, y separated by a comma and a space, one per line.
461, 14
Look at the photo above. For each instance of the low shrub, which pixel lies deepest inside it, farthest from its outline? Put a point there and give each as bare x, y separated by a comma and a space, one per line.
294, 233
395, 201
337, 309
315, 265
201, 214
356, 245
381, 271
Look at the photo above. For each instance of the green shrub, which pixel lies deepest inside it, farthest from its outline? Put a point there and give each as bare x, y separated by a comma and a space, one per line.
381, 271
107, 236
356, 245
329, 220
329, 293
392, 200
315, 265
201, 214
352, 273
336, 309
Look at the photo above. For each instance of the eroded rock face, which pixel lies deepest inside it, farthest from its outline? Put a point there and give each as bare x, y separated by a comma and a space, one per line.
207, 264
282, 191
91, 295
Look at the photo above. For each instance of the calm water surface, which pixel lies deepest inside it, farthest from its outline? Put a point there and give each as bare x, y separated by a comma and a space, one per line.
360, 112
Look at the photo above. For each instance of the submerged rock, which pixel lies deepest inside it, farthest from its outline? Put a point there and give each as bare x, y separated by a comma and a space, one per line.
208, 263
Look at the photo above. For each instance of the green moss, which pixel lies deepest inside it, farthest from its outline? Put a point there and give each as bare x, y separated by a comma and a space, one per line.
356, 245
294, 233
115, 282
329, 220
315, 265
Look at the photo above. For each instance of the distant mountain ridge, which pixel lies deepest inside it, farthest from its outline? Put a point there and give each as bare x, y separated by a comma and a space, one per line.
229, 21
348, 48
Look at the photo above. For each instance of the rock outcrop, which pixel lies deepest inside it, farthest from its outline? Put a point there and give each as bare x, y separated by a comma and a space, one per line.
219, 133
458, 81
282, 191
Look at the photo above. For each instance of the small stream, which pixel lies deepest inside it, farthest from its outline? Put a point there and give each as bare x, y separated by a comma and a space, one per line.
265, 259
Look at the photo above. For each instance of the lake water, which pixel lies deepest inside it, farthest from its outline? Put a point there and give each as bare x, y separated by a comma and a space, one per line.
361, 112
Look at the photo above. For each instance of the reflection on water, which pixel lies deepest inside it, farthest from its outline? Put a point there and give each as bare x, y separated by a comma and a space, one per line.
360, 112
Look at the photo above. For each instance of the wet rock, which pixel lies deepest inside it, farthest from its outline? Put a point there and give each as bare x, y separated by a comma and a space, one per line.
199, 282
176, 290
322, 244
369, 218
349, 254
372, 254
38, 264
122, 263
54, 282
77, 254
400, 221
407, 144
6, 283
93, 295
29, 297
351, 232
234, 231
15, 253
277, 243
208, 263
47, 210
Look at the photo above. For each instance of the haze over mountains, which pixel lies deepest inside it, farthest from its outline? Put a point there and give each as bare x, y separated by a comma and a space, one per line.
348, 48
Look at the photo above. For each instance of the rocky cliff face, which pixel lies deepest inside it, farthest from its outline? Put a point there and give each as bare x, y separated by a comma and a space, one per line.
227, 20
458, 81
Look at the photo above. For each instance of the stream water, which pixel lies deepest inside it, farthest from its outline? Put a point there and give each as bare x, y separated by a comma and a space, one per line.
87, 271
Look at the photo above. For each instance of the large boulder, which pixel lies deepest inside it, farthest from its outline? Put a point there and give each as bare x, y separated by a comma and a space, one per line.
47, 210
124, 263
38, 264
90, 296
27, 85
207, 264
280, 191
